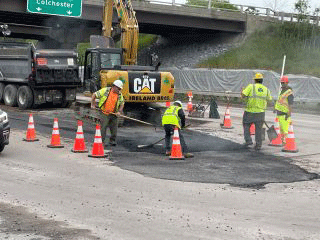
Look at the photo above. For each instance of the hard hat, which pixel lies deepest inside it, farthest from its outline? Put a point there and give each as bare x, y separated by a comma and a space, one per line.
258, 76
118, 83
284, 79
178, 102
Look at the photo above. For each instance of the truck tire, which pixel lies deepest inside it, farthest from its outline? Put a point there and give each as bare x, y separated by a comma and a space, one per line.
2, 86
1, 147
10, 95
24, 97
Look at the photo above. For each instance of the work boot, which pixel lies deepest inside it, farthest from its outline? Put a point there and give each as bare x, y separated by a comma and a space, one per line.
113, 143
257, 147
188, 155
247, 144
168, 153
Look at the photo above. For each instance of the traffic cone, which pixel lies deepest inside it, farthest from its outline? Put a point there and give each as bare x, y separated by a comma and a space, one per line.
227, 120
167, 104
98, 150
79, 145
252, 129
189, 105
55, 138
31, 132
290, 145
176, 151
277, 142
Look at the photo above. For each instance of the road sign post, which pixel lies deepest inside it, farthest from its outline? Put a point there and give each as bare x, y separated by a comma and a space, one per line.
70, 8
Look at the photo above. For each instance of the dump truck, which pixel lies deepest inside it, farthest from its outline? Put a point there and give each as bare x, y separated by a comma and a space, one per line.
30, 77
104, 63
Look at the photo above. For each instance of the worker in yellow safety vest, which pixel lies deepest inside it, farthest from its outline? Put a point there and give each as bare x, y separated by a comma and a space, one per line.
283, 107
111, 103
174, 117
257, 97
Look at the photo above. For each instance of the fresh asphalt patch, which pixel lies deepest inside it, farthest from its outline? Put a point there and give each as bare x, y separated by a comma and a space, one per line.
216, 160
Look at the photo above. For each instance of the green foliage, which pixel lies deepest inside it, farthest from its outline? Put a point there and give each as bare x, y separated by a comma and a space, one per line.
265, 50
146, 40
302, 6
224, 4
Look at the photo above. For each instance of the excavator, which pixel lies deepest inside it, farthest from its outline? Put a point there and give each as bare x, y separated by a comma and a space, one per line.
104, 63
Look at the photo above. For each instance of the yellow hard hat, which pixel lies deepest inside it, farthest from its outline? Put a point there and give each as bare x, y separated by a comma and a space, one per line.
258, 76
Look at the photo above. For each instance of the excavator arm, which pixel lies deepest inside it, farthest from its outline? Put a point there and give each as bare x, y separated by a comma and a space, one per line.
129, 27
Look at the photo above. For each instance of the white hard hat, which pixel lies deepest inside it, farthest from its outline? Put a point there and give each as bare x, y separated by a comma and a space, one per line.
178, 102
118, 83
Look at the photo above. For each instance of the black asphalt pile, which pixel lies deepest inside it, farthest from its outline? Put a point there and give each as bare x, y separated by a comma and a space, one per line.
216, 161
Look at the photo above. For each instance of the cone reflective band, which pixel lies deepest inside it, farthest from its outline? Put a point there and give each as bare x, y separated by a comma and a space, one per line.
31, 132
290, 145
97, 149
79, 145
277, 142
176, 152
55, 138
227, 120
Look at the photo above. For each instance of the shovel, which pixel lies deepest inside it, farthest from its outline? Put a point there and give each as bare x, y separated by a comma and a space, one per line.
272, 133
150, 145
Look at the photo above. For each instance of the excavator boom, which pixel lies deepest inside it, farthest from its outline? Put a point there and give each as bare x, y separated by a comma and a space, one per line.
128, 24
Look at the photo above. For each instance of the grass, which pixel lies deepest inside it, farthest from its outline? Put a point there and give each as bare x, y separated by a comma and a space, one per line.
265, 50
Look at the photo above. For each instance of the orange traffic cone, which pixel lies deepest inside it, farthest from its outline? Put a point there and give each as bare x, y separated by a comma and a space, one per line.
290, 145
98, 150
55, 138
79, 145
31, 132
252, 129
167, 104
189, 105
277, 142
227, 120
176, 151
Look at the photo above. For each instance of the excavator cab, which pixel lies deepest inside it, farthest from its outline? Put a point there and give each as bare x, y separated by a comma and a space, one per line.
97, 59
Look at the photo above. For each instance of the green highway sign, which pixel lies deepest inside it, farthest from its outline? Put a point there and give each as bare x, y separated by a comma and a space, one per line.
70, 8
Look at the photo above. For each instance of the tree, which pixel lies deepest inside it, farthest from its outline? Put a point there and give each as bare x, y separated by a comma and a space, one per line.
302, 6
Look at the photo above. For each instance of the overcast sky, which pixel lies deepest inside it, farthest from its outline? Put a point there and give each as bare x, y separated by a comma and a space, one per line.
281, 5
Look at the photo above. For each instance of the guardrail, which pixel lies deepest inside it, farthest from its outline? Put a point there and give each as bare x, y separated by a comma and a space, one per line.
245, 9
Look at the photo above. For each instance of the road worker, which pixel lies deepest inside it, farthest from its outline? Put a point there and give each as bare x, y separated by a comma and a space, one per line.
256, 96
283, 107
174, 117
111, 103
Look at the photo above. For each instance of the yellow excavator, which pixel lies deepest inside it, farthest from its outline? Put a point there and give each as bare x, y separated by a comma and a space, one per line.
143, 85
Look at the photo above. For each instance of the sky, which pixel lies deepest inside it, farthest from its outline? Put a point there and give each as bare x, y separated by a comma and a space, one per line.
281, 5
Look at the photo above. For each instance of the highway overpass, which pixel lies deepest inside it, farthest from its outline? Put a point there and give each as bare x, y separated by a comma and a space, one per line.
153, 18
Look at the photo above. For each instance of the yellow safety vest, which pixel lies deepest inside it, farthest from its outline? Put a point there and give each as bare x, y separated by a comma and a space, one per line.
257, 97
170, 116
103, 94
282, 104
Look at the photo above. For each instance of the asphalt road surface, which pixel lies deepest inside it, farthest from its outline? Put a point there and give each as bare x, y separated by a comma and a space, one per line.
224, 192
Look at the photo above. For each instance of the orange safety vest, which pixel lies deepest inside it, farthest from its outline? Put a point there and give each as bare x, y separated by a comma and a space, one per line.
111, 103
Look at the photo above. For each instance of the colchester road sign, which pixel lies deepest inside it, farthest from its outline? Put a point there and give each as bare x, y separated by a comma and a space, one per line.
71, 8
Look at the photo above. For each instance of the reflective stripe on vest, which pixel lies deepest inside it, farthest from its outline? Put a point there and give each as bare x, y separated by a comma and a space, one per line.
103, 93
282, 104
255, 102
171, 116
